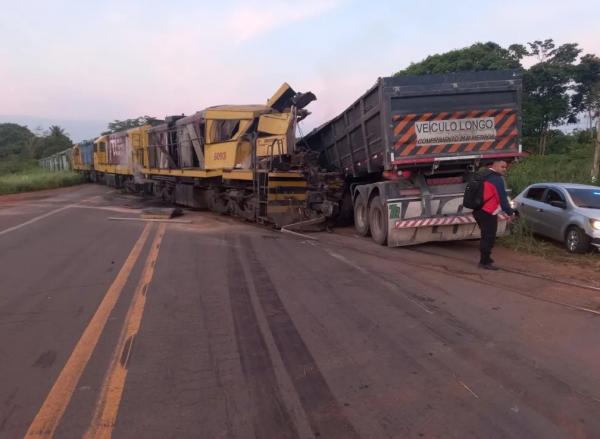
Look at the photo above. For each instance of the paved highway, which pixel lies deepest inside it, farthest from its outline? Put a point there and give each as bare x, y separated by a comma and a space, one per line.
222, 329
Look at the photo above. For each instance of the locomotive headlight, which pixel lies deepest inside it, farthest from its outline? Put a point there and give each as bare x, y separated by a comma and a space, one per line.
595, 224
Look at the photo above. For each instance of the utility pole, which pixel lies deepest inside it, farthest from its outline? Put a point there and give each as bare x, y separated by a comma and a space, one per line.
596, 164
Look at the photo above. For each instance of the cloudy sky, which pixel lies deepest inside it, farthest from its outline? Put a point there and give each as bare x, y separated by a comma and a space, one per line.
82, 61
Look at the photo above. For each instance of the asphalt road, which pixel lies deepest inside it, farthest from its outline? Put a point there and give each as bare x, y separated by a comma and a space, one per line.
220, 329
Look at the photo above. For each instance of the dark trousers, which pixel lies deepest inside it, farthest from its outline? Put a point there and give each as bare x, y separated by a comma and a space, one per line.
488, 224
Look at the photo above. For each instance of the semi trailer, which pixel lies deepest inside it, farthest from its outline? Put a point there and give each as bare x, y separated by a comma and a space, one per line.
408, 146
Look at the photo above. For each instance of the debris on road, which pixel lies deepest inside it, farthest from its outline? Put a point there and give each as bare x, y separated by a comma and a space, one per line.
160, 213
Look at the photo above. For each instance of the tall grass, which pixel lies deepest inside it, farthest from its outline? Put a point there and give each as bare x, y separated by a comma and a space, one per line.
574, 167
35, 179
523, 240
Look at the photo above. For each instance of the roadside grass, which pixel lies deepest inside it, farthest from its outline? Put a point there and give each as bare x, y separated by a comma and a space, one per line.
35, 179
574, 167
523, 240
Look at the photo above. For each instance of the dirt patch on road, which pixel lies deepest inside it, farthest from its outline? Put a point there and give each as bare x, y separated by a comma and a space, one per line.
551, 260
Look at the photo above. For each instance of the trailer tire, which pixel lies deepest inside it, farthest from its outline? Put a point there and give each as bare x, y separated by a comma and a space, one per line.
378, 221
361, 216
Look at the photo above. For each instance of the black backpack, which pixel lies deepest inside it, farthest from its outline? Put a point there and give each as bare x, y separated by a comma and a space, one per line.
473, 197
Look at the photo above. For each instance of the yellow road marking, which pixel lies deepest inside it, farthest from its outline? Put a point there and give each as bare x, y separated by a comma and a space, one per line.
45, 422
107, 407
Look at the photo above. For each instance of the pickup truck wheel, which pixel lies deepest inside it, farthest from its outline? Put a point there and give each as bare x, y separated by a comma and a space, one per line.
378, 221
576, 240
361, 216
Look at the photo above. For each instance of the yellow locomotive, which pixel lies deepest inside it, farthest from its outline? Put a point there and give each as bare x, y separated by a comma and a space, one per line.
240, 160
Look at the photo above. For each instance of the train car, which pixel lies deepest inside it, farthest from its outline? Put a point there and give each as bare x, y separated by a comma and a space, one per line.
120, 157
240, 160
82, 158
60, 161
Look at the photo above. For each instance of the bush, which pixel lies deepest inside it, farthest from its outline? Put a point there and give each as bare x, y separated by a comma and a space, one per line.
521, 238
572, 167
16, 164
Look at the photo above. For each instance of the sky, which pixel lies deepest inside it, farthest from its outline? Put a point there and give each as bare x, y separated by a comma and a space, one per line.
87, 62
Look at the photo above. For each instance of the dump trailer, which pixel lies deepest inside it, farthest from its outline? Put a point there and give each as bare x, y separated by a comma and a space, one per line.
409, 145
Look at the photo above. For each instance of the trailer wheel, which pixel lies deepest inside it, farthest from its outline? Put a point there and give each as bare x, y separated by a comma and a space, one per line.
378, 221
361, 216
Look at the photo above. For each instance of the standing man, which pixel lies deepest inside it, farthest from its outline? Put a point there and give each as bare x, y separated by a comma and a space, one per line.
495, 200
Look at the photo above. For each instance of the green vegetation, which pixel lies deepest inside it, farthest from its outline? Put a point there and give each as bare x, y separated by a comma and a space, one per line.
14, 164
570, 161
19, 151
19, 144
479, 56
521, 239
36, 179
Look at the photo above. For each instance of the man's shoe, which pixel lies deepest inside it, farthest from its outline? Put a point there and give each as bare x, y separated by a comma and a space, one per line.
488, 267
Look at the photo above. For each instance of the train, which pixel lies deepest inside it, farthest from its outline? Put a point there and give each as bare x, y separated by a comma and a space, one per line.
395, 163
240, 160
60, 161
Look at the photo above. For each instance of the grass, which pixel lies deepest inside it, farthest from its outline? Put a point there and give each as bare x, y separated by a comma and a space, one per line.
35, 179
573, 167
523, 240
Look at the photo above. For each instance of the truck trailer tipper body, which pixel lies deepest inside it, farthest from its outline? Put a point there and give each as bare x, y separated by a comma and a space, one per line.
409, 145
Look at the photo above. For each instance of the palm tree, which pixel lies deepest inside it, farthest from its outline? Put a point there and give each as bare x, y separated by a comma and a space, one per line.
57, 131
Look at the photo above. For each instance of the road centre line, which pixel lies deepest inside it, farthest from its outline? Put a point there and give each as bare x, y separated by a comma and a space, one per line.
107, 406
49, 415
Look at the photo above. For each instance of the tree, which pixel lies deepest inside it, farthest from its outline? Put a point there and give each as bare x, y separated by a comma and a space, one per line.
57, 131
121, 125
546, 102
541, 49
54, 141
13, 138
479, 56
586, 97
